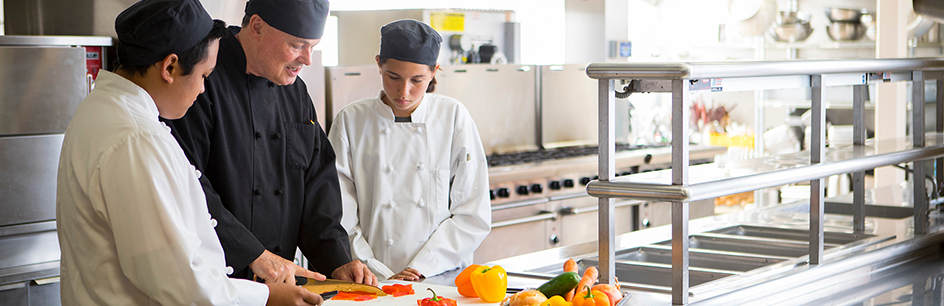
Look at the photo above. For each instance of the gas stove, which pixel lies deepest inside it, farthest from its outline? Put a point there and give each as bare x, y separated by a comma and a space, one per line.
539, 198
550, 173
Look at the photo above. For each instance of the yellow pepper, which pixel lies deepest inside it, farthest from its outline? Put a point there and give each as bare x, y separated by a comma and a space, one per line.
490, 283
556, 301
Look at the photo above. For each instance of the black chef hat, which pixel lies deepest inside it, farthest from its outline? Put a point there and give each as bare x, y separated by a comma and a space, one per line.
411, 41
299, 18
150, 30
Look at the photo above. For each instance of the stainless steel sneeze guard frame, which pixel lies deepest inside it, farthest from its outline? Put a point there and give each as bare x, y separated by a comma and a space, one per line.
672, 77
859, 161
716, 70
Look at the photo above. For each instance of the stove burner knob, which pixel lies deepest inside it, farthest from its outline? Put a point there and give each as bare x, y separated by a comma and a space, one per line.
556, 185
647, 159
554, 240
584, 181
491, 194
537, 188
503, 193
568, 183
522, 190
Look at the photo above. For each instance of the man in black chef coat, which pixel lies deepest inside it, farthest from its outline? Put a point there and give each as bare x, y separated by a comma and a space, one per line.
268, 170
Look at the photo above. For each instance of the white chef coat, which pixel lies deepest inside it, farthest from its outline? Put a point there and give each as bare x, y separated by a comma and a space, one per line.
132, 217
415, 194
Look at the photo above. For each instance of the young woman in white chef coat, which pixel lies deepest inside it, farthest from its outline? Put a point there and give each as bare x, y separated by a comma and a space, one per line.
414, 179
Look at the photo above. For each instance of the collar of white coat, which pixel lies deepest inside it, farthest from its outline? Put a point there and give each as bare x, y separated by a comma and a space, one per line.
121, 86
418, 115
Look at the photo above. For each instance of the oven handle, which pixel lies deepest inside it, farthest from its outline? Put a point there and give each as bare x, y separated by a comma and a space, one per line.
544, 215
567, 211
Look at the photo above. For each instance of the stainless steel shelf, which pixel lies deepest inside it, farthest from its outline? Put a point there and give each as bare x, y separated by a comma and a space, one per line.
680, 79
746, 69
749, 175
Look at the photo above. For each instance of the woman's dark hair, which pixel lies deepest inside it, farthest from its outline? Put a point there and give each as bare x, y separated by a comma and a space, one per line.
190, 58
432, 84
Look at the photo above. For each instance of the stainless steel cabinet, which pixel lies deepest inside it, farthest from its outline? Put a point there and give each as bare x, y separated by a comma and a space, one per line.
518, 230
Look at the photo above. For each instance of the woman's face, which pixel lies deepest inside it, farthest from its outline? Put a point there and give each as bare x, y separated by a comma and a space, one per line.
404, 84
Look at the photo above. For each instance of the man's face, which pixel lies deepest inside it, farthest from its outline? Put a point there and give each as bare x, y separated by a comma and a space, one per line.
185, 88
280, 56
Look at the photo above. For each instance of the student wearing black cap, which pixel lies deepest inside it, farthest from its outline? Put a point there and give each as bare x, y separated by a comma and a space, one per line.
269, 170
134, 228
414, 179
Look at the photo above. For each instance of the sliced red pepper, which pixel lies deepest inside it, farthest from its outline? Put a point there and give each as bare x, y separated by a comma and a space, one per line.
354, 296
398, 289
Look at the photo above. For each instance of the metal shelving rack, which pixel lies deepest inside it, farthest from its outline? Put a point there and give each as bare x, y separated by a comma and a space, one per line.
679, 79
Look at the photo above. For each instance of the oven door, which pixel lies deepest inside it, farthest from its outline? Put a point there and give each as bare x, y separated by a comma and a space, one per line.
518, 228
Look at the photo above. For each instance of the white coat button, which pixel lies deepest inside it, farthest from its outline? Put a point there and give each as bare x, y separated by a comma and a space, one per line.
421, 203
419, 130
388, 169
389, 242
229, 270
389, 205
199, 174
420, 166
384, 131
213, 222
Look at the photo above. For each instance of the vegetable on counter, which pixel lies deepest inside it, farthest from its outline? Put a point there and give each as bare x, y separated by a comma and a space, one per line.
556, 301
354, 296
464, 282
589, 278
398, 289
611, 292
588, 297
560, 285
490, 283
435, 300
570, 266
524, 298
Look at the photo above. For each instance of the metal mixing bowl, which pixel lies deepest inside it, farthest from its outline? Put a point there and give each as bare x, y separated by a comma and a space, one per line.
791, 27
792, 32
841, 14
845, 31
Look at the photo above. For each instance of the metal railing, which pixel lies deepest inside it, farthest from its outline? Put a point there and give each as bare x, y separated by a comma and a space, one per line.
679, 79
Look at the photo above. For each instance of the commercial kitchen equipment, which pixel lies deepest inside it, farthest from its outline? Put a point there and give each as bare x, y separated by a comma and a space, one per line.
466, 33
922, 233
42, 82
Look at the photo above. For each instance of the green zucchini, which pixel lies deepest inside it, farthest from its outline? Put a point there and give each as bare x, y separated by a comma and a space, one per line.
560, 285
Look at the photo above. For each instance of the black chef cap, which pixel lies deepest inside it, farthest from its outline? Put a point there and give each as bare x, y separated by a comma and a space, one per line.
150, 30
411, 41
299, 18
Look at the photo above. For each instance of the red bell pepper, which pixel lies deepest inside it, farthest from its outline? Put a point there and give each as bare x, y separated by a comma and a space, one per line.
435, 300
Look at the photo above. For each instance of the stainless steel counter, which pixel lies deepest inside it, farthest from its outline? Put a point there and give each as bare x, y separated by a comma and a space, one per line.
876, 265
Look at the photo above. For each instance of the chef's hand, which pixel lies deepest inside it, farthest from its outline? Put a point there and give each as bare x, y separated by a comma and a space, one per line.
273, 268
408, 274
289, 294
355, 271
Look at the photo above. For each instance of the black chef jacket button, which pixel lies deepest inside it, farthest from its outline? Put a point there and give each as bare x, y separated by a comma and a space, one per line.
277, 249
257, 192
258, 135
278, 191
277, 136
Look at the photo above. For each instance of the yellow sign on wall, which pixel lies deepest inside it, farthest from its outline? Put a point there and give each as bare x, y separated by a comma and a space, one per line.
452, 22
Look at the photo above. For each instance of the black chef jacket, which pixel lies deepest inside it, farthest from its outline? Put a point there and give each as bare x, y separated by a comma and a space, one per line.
268, 169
